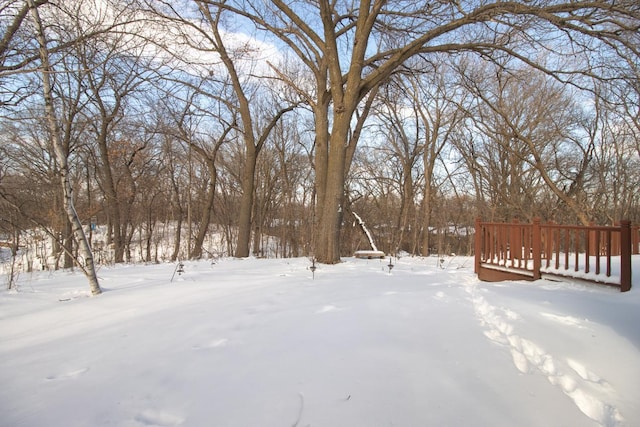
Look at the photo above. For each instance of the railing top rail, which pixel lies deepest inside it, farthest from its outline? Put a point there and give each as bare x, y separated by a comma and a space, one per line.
556, 226
583, 227
519, 224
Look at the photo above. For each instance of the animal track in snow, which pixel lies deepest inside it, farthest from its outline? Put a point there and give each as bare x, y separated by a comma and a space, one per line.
583, 388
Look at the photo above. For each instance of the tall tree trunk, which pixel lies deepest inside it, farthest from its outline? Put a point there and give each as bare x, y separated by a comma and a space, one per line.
252, 146
205, 218
68, 245
88, 267
111, 194
407, 207
149, 237
180, 212
332, 200
426, 217
246, 202
321, 163
429, 157
177, 238
334, 155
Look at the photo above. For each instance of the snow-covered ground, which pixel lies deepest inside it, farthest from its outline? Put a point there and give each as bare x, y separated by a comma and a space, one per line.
261, 343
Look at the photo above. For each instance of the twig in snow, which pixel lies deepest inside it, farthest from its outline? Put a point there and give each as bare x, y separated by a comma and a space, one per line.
299, 411
464, 264
453, 256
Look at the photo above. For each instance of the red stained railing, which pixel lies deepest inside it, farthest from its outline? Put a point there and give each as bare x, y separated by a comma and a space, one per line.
595, 253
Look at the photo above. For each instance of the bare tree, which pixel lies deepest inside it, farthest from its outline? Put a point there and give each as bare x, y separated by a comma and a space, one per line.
520, 150
420, 112
615, 168
117, 73
86, 262
290, 216
202, 30
208, 152
531, 121
351, 48
402, 136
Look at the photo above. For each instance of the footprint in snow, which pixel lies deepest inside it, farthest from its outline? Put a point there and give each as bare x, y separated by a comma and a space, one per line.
213, 344
586, 374
583, 389
155, 418
565, 320
327, 308
67, 375
440, 296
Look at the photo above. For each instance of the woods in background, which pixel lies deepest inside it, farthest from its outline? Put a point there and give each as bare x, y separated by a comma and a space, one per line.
275, 121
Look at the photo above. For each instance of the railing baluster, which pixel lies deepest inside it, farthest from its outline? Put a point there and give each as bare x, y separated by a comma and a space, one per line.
597, 246
608, 234
556, 242
576, 250
587, 246
567, 248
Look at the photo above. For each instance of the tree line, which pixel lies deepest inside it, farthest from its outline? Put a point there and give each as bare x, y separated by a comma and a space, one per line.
277, 121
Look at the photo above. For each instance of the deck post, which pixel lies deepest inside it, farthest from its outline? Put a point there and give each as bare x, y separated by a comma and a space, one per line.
536, 247
625, 255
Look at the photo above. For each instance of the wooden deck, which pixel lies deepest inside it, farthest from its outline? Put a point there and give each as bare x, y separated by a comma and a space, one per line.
522, 251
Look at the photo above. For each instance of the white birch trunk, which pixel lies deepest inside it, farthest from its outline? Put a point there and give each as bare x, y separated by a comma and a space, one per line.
87, 266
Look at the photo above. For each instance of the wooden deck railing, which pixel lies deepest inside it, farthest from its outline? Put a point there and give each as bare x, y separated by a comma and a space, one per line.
516, 250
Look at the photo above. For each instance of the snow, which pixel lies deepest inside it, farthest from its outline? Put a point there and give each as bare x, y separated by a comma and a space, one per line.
260, 342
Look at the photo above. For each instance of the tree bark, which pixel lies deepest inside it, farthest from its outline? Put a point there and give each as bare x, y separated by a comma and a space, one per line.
113, 204
246, 202
332, 202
